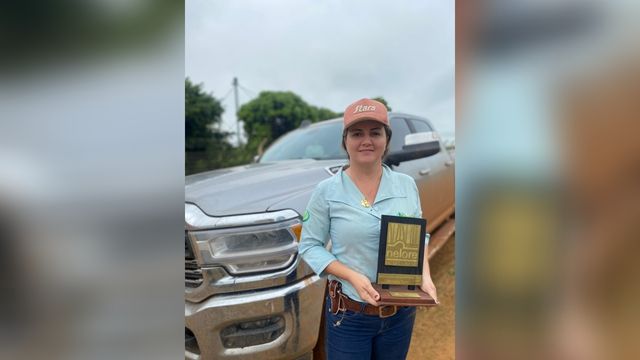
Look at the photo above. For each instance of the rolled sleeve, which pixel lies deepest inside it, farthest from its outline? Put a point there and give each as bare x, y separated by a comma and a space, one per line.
315, 233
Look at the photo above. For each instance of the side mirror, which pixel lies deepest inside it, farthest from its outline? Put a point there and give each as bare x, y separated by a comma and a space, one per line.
416, 146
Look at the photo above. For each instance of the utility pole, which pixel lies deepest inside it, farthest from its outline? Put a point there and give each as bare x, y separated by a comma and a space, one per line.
235, 93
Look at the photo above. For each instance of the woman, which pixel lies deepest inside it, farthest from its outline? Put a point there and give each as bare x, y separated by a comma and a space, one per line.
347, 208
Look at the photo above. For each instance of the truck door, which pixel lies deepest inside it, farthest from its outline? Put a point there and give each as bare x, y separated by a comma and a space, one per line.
421, 170
441, 166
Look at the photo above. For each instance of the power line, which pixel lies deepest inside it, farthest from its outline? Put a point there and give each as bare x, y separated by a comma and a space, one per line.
248, 91
227, 95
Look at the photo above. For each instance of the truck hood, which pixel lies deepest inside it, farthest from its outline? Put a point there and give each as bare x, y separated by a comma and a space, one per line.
257, 187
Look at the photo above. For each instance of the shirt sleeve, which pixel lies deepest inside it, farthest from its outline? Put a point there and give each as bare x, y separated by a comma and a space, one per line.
418, 212
315, 233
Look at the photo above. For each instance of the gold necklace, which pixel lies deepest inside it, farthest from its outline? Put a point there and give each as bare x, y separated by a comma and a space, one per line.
364, 202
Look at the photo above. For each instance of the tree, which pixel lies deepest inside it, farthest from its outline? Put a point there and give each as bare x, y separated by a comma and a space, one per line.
206, 147
202, 113
320, 114
274, 113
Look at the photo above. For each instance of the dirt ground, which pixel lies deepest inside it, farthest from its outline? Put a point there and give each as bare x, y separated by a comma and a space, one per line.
434, 330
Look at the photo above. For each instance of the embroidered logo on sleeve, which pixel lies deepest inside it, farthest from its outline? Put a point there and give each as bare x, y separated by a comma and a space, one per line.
306, 215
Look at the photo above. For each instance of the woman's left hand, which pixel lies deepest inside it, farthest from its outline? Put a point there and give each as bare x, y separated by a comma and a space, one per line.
428, 287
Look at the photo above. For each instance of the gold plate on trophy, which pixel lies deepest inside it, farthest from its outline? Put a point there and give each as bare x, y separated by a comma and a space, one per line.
400, 262
404, 294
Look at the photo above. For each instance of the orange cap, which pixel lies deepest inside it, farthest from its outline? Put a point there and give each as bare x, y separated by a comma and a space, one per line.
365, 109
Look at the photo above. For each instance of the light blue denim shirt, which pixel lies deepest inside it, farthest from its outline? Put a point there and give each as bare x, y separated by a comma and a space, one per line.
336, 212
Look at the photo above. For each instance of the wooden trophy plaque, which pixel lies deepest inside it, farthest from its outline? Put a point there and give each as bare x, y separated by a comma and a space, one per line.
400, 260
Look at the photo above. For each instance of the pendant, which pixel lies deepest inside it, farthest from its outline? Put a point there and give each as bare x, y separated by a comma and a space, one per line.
365, 203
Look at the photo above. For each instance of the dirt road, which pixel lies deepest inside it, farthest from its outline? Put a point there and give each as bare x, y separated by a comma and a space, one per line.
434, 330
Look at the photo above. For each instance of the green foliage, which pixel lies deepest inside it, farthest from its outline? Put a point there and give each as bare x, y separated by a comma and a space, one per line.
274, 113
382, 100
216, 156
265, 118
324, 114
202, 113
206, 147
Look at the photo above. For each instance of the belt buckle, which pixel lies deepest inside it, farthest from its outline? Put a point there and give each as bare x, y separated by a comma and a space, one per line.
381, 311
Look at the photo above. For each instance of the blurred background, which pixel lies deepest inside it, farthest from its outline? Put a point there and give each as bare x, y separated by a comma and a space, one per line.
91, 179
548, 181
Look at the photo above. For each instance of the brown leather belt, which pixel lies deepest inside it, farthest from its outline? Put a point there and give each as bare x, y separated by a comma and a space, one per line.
341, 302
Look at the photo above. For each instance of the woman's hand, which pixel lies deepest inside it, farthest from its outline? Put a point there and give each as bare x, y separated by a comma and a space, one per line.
363, 286
428, 287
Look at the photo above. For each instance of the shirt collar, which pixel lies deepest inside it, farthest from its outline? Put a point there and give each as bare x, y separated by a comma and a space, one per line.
388, 188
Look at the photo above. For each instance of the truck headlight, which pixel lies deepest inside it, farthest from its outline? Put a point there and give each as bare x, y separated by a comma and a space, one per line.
247, 243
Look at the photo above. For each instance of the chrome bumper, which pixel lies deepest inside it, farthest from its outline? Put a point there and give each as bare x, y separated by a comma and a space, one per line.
299, 304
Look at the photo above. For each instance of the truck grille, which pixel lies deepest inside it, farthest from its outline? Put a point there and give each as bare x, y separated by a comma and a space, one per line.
192, 271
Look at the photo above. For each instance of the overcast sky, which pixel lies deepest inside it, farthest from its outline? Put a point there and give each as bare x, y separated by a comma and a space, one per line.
330, 52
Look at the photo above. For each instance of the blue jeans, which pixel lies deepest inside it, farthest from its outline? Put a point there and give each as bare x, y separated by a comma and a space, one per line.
354, 336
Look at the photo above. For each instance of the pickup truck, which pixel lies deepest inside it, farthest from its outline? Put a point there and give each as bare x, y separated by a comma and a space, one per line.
248, 294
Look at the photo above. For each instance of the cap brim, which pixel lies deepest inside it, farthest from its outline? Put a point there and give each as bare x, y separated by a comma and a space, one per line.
364, 118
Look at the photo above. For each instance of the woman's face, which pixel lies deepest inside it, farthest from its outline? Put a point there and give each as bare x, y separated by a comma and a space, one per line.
366, 142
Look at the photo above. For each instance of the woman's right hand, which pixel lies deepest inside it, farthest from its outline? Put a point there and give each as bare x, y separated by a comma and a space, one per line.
363, 286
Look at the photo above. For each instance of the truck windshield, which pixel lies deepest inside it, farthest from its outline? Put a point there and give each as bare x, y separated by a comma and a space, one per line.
320, 141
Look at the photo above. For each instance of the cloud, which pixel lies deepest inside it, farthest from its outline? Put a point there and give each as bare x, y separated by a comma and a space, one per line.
329, 52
